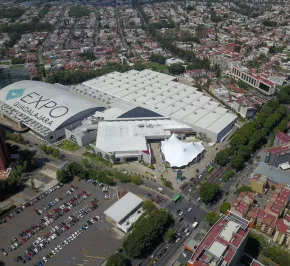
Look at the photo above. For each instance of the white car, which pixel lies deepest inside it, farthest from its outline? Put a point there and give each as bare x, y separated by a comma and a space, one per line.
190, 189
180, 213
59, 247
56, 249
56, 199
45, 259
92, 221
65, 242
189, 209
36, 250
53, 252
40, 211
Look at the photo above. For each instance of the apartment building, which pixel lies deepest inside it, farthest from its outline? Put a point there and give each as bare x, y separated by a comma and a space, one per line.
258, 82
224, 243
276, 156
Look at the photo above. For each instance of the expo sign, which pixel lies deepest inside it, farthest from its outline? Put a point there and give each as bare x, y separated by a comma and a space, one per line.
32, 102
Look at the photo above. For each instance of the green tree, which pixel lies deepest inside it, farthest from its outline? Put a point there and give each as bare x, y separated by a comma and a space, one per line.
64, 176
212, 218
117, 259
222, 157
55, 153
170, 235
243, 189
168, 184
284, 95
137, 180
237, 162
273, 187
209, 192
225, 207
44, 147
32, 183
149, 206
176, 69
147, 233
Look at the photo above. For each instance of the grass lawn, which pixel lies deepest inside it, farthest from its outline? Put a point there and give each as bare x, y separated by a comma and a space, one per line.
7, 63
97, 158
69, 145
17, 66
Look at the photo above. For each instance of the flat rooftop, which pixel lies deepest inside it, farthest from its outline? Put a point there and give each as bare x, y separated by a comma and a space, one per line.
131, 135
123, 207
162, 94
221, 241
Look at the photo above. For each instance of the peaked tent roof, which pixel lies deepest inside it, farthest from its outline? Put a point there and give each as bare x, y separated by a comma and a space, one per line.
179, 153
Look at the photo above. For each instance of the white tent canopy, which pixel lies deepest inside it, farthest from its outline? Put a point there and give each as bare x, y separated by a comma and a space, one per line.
179, 153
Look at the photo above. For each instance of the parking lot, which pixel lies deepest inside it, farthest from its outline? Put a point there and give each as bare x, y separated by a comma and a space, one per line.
62, 234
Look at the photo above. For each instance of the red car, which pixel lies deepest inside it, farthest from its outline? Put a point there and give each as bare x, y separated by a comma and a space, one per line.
30, 254
23, 239
73, 186
66, 227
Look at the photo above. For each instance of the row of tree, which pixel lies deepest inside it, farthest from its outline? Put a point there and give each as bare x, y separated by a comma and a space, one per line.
251, 136
258, 244
147, 233
106, 177
50, 150
12, 12
25, 164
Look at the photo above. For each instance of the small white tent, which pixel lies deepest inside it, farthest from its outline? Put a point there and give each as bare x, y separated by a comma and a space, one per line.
179, 153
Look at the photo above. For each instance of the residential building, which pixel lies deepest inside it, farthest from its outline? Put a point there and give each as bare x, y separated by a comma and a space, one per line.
265, 222
282, 232
224, 243
244, 107
276, 156
260, 83
281, 138
278, 200
243, 203
259, 183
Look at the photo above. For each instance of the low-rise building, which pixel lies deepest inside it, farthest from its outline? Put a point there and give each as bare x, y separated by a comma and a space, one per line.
281, 138
259, 183
243, 203
125, 212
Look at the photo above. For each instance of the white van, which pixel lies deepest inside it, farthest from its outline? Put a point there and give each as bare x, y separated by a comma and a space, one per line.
195, 224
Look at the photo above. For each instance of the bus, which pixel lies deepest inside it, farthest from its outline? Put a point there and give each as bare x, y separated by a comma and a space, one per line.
176, 198
210, 169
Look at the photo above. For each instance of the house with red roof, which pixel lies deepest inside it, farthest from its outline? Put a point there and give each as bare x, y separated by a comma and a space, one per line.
281, 138
243, 203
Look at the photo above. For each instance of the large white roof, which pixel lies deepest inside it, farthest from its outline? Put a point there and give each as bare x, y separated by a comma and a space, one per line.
49, 105
123, 207
131, 135
179, 153
160, 93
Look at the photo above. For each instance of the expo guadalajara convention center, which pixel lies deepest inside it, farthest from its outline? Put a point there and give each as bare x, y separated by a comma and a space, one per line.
120, 112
